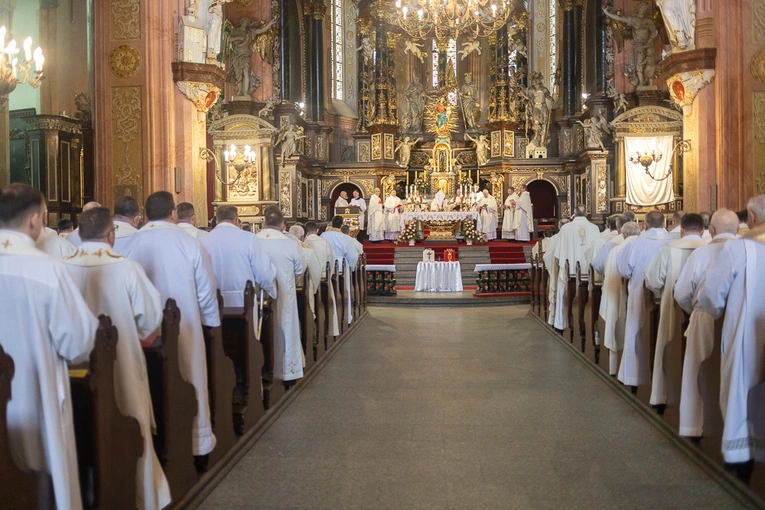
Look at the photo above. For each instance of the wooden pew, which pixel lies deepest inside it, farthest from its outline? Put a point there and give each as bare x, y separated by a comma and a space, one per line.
19, 488
544, 283
339, 283
674, 353
243, 348
307, 328
533, 285
709, 388
175, 406
273, 387
591, 319
578, 330
363, 280
568, 332
652, 312
325, 341
321, 321
109, 443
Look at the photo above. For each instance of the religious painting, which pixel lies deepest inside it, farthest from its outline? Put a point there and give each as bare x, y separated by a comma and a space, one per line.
376, 146
388, 145
509, 144
441, 119
496, 144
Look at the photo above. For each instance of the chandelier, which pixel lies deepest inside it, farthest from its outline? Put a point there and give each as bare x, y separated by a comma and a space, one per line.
448, 19
10, 65
236, 160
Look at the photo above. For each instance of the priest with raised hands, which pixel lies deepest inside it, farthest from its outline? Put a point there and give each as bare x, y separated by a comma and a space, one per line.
552, 270
394, 220
287, 257
118, 287
345, 252
52, 243
523, 218
700, 334
359, 202
325, 255
187, 220
487, 208
127, 218
660, 277
376, 217
74, 236
735, 286
179, 268
635, 369
508, 232
46, 324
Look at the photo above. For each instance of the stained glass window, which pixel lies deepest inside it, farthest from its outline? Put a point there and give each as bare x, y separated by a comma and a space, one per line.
451, 57
337, 49
553, 43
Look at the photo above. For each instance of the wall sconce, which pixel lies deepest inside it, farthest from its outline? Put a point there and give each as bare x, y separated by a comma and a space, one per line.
10, 65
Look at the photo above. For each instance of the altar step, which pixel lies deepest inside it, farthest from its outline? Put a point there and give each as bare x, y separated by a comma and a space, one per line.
505, 252
406, 260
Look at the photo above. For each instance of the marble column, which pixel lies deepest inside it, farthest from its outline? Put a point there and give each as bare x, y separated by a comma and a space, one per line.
601, 69
284, 42
319, 11
568, 50
578, 54
311, 107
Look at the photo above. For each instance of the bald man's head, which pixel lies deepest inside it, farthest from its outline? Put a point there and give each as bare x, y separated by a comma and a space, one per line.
723, 222
90, 205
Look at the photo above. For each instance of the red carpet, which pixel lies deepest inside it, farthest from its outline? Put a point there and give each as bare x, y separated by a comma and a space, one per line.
384, 252
505, 252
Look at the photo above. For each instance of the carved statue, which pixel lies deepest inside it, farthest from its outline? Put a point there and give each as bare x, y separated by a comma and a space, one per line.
389, 183
594, 130
680, 21
415, 49
538, 111
366, 48
268, 109
641, 28
481, 148
620, 104
471, 109
405, 150
242, 41
415, 96
469, 47
214, 25
288, 136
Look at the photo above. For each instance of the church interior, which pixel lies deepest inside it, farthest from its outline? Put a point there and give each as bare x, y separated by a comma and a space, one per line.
484, 155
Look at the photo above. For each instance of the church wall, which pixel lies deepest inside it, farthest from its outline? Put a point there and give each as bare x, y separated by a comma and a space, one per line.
25, 23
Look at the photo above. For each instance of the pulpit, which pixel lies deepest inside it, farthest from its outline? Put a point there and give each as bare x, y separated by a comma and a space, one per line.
350, 217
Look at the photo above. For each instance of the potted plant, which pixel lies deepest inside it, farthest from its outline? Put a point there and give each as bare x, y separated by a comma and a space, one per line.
409, 233
470, 233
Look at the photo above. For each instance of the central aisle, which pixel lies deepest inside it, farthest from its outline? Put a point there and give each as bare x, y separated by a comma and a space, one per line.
470, 408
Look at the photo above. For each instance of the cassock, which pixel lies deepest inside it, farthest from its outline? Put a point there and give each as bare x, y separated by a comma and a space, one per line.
179, 268
46, 324
552, 269
660, 277
736, 279
508, 232
394, 220
631, 263
362, 205
325, 255
122, 235
700, 334
287, 257
54, 245
613, 304
74, 238
376, 226
191, 230
575, 238
118, 287
488, 208
523, 218
343, 249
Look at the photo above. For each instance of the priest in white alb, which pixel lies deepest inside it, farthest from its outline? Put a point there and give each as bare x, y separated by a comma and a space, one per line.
611, 231
287, 257
674, 228
325, 256
523, 218
118, 287
127, 218
45, 325
346, 257
605, 243
52, 243
376, 217
187, 220
179, 268
487, 208
359, 202
700, 335
342, 200
313, 266
734, 285
74, 236
660, 277
551, 265
394, 220
508, 232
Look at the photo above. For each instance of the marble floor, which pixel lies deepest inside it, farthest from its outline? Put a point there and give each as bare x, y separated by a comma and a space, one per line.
466, 409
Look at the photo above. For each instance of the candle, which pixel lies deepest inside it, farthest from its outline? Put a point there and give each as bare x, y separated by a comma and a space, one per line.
28, 49
39, 59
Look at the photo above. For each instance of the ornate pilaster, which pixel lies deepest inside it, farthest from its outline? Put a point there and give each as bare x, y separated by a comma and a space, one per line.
568, 58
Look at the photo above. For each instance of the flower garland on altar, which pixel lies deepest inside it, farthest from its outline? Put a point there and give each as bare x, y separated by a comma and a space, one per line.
469, 232
409, 233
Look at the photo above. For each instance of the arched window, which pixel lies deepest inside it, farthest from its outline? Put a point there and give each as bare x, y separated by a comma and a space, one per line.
337, 49
451, 57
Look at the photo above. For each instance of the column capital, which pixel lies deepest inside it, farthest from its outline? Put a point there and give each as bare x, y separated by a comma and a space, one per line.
566, 5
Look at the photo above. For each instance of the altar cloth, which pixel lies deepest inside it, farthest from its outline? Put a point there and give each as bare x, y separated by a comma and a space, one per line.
443, 216
438, 277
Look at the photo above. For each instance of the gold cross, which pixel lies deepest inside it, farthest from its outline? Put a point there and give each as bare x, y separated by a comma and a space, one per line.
268, 235
6, 244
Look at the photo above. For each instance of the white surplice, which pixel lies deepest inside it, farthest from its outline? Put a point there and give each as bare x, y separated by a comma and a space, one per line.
736, 279
523, 219
54, 245
594, 249
376, 226
122, 235
341, 202
488, 208
344, 250
700, 335
179, 268
394, 220
551, 264
675, 233
45, 324
118, 287
635, 367
508, 231
660, 277
613, 303
74, 238
599, 262
287, 257
192, 230
362, 205
325, 255
575, 237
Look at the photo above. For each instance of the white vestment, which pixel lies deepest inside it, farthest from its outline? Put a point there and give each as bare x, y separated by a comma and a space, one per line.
660, 277
440, 198
179, 268
74, 238
594, 250
675, 233
344, 250
54, 245
191, 230
45, 324
324, 255
736, 280
599, 262
287, 257
635, 367
376, 226
362, 205
575, 237
394, 221
551, 264
523, 219
613, 303
340, 202
122, 235
488, 208
508, 231
118, 287
540, 248
700, 335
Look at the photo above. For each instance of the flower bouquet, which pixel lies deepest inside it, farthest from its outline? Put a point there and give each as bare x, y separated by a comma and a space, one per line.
421, 184
470, 233
409, 233
466, 181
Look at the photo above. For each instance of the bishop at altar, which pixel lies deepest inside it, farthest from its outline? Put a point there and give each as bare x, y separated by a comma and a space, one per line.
394, 222
487, 207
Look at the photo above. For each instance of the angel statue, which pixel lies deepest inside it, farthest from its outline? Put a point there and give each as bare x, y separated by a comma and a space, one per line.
469, 47
538, 110
641, 28
288, 136
241, 42
366, 48
620, 104
415, 97
481, 148
405, 150
594, 129
415, 49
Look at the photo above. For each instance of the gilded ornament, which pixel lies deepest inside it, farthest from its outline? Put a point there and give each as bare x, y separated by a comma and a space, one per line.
758, 20
758, 66
285, 193
125, 19
124, 61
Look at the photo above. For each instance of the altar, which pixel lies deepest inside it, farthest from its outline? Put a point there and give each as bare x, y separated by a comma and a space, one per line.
443, 225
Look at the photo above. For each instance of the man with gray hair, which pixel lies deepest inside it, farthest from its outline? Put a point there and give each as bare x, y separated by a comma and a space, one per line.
735, 286
701, 328
74, 237
297, 233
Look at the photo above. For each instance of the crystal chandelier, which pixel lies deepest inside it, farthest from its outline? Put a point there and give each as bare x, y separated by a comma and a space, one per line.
10, 65
236, 160
448, 19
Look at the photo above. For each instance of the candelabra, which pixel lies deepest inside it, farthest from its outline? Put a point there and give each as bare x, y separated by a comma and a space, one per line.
10, 65
646, 160
236, 160
447, 19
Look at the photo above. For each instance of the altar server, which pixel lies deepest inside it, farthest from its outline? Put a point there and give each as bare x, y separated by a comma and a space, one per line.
237, 256
376, 224
287, 257
737, 281
394, 220
575, 238
127, 218
631, 263
523, 219
700, 334
660, 277
552, 270
487, 207
46, 324
179, 268
325, 255
118, 287
359, 202
344, 251
187, 220
51, 243
512, 199
74, 236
